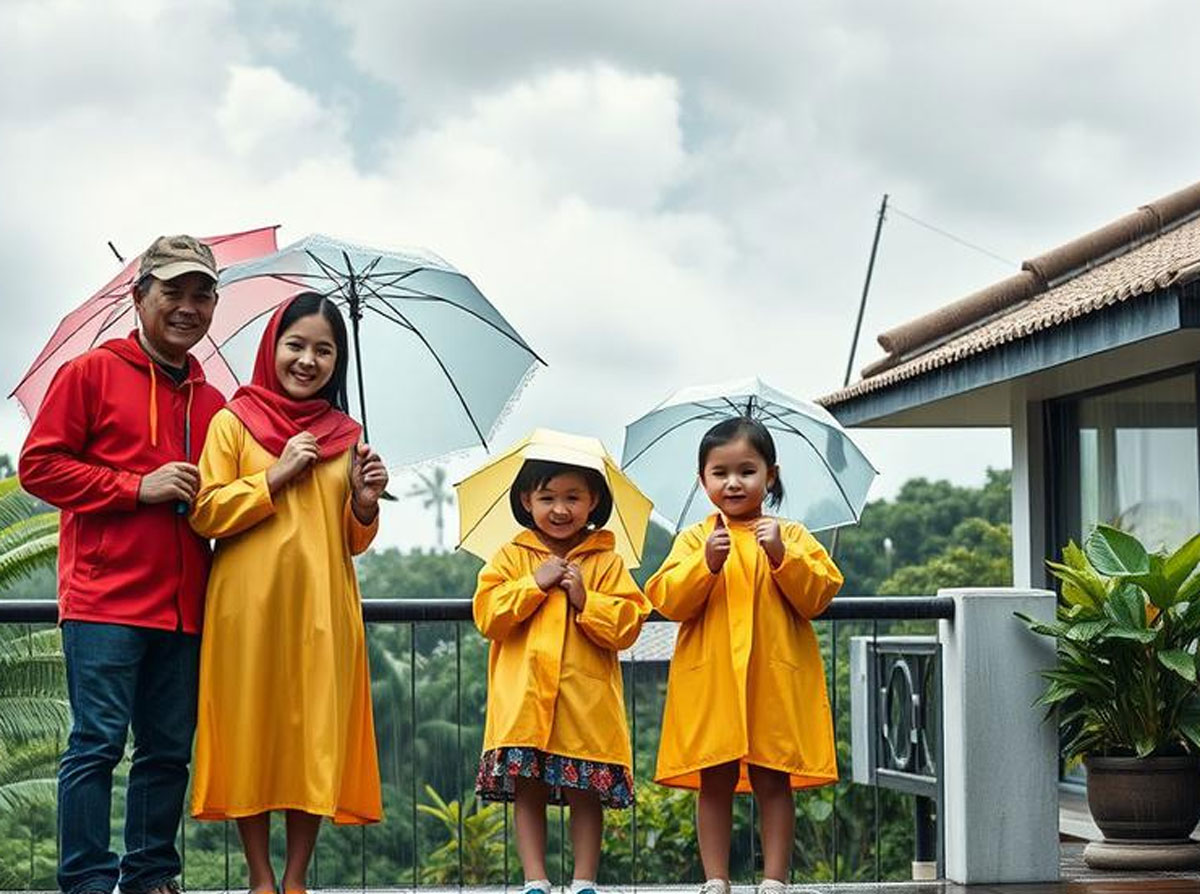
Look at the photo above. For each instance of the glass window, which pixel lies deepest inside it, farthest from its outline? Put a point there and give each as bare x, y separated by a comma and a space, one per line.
1138, 465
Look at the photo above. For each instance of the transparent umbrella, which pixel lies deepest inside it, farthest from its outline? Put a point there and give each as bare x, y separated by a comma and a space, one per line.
826, 476
434, 363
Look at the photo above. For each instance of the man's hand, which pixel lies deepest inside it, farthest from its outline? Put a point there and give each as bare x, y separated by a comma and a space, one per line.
550, 573
572, 582
766, 530
716, 548
170, 482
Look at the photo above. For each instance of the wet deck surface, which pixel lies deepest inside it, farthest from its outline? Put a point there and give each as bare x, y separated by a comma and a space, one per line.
1076, 879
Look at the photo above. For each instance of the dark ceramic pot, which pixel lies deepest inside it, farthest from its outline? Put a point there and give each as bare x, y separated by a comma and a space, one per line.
1144, 797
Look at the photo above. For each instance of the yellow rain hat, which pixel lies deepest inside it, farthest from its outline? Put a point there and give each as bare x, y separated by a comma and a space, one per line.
485, 517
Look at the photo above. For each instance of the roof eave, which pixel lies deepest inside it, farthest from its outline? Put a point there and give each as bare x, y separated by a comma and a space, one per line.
1151, 315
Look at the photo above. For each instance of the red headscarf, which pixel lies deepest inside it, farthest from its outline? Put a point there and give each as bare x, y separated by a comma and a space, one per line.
272, 416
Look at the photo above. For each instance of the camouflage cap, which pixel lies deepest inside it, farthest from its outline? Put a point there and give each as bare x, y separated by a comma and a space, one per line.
172, 256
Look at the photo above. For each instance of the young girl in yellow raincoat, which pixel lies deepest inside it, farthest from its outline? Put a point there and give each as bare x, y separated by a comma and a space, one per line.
557, 603
746, 707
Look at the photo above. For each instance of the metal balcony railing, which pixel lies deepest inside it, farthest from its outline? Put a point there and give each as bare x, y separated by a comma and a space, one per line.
428, 670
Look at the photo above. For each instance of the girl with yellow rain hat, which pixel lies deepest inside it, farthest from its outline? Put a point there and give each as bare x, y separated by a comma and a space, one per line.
559, 525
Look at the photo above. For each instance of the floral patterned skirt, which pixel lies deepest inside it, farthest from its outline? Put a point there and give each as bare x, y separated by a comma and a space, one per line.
499, 769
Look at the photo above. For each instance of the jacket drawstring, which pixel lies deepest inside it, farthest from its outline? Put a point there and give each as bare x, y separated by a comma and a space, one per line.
187, 423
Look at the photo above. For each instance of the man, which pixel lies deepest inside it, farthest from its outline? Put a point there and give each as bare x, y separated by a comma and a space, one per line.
113, 446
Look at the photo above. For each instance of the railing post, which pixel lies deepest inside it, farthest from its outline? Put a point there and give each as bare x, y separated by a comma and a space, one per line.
1001, 759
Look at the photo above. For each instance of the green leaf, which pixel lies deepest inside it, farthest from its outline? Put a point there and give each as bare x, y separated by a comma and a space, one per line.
1115, 553
1136, 634
1179, 661
1079, 587
1155, 583
1056, 692
1127, 606
1189, 720
1181, 563
1189, 590
1086, 631
818, 809
1073, 556
1055, 630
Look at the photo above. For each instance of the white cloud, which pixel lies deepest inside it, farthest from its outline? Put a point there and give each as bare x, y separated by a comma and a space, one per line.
273, 124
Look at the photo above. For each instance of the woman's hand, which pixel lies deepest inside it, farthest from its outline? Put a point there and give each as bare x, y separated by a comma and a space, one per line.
770, 538
300, 453
368, 481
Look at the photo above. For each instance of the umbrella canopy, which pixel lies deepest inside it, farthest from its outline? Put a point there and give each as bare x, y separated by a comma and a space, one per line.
434, 366
826, 476
485, 517
110, 314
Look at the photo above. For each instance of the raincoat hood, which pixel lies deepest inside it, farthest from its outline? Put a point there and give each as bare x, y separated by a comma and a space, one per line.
596, 542
130, 349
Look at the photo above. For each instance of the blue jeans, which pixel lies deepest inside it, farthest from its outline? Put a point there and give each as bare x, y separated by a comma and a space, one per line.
117, 677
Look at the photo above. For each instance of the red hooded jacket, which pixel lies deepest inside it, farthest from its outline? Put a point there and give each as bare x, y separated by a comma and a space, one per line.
110, 417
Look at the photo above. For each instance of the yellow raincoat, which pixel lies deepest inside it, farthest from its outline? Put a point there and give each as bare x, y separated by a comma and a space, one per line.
746, 682
285, 716
554, 682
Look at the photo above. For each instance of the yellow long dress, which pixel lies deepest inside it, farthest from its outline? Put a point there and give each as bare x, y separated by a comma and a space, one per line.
284, 716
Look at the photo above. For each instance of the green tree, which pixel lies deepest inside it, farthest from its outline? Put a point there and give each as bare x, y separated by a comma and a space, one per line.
392, 574
435, 494
977, 554
919, 524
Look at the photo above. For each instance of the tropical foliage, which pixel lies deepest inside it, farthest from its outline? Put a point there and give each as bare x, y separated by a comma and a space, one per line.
33, 710
1126, 634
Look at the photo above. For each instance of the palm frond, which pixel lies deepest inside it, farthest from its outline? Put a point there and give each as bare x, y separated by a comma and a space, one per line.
35, 760
23, 719
28, 794
22, 640
22, 559
16, 504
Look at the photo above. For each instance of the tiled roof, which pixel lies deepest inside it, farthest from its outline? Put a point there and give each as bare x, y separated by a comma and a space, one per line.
655, 643
1157, 252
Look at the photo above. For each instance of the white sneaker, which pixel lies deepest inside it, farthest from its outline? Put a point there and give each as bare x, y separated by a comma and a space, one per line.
537, 886
774, 886
714, 886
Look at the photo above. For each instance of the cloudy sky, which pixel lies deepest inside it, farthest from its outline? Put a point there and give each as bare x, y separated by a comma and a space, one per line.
654, 194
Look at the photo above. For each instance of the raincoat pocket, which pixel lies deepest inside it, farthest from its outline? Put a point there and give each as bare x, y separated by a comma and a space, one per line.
593, 662
692, 649
89, 542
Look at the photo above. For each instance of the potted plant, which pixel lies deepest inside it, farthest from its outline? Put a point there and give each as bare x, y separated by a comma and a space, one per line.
1125, 684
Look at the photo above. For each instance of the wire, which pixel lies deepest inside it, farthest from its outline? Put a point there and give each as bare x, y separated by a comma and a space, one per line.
953, 238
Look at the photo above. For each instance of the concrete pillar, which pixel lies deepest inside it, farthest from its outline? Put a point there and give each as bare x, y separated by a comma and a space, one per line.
1000, 761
